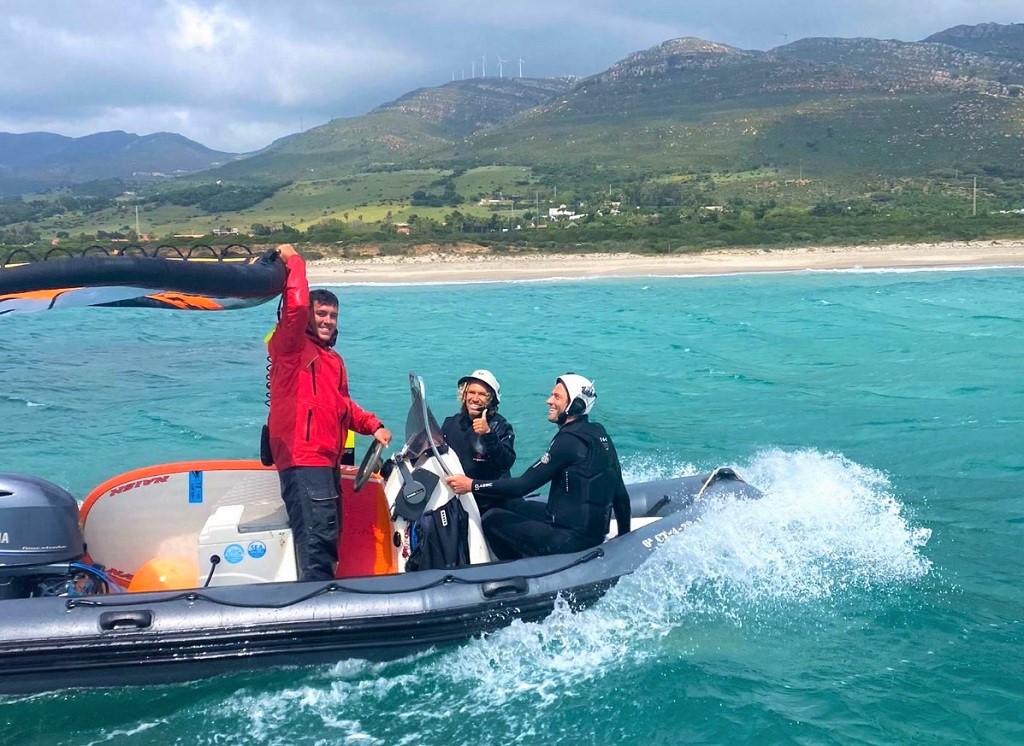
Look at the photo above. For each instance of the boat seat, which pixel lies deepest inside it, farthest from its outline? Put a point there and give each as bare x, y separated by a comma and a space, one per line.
263, 521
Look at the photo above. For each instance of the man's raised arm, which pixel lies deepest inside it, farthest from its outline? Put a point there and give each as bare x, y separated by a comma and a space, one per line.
291, 327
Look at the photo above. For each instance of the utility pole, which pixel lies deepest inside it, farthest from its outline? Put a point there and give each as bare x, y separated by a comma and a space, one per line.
974, 209
137, 234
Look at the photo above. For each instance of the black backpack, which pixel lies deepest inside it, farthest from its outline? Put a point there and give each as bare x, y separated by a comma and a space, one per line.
440, 539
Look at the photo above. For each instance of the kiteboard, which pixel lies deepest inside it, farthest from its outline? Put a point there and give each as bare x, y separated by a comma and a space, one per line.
194, 511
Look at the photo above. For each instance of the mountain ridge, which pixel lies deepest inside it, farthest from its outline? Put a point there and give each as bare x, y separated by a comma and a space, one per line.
1002, 40
43, 160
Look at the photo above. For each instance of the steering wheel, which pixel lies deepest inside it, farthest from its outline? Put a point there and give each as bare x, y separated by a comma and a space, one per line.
370, 464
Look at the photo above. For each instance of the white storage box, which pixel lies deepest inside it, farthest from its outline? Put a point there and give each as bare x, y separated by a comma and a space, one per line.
260, 551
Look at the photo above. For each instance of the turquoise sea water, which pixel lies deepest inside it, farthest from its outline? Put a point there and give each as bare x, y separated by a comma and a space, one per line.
873, 596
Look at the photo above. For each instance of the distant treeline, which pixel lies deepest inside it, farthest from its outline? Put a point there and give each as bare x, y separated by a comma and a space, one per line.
670, 232
16, 210
96, 196
448, 197
217, 197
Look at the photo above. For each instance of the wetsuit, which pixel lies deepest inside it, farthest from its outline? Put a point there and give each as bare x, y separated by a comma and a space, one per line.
488, 456
310, 415
586, 487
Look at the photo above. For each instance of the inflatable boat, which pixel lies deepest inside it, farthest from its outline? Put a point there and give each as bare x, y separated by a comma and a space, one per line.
185, 571
194, 279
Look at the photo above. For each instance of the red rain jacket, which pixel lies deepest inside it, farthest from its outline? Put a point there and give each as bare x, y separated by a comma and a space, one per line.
310, 409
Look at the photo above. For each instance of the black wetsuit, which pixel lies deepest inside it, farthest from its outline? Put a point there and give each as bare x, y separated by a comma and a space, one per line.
586, 487
485, 457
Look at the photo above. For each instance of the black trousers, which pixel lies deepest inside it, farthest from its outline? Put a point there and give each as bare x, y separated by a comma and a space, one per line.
523, 529
310, 496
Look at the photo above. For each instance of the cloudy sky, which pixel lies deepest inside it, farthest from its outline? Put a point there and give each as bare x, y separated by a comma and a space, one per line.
237, 74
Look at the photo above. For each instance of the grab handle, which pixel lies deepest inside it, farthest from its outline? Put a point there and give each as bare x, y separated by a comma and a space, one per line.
504, 587
121, 621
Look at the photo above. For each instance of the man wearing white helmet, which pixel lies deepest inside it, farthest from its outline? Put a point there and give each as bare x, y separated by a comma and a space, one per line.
482, 439
586, 485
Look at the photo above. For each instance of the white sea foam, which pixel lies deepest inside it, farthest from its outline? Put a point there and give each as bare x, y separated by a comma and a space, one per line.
488, 281
330, 709
21, 400
825, 525
679, 276
119, 734
916, 270
647, 468
825, 528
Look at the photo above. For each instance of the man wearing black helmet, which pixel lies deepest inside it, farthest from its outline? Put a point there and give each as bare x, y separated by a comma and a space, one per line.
586, 485
482, 439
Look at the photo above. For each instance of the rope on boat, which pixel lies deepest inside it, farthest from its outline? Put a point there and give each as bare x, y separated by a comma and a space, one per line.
331, 588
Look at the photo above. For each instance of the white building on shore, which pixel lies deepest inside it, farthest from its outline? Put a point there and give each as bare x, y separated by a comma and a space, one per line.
563, 213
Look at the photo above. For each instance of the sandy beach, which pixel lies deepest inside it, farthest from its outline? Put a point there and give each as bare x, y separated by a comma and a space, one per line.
475, 265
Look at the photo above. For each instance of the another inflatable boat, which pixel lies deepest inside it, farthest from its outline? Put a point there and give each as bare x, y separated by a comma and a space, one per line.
185, 571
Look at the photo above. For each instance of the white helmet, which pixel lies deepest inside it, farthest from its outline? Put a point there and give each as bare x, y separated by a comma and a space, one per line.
581, 394
486, 378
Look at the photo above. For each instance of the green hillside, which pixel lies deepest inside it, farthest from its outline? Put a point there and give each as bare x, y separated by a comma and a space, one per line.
833, 108
428, 123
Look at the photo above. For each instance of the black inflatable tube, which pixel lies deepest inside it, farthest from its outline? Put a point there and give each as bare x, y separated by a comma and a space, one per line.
260, 278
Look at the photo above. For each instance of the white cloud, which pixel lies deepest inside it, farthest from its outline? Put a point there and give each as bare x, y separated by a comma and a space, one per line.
200, 30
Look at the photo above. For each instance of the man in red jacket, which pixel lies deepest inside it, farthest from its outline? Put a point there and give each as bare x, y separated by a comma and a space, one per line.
310, 416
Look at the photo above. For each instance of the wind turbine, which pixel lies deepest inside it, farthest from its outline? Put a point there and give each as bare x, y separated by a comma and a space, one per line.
483, 66
472, 69
521, 61
501, 70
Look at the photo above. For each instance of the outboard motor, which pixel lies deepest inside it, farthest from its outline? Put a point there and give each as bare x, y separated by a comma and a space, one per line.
40, 536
